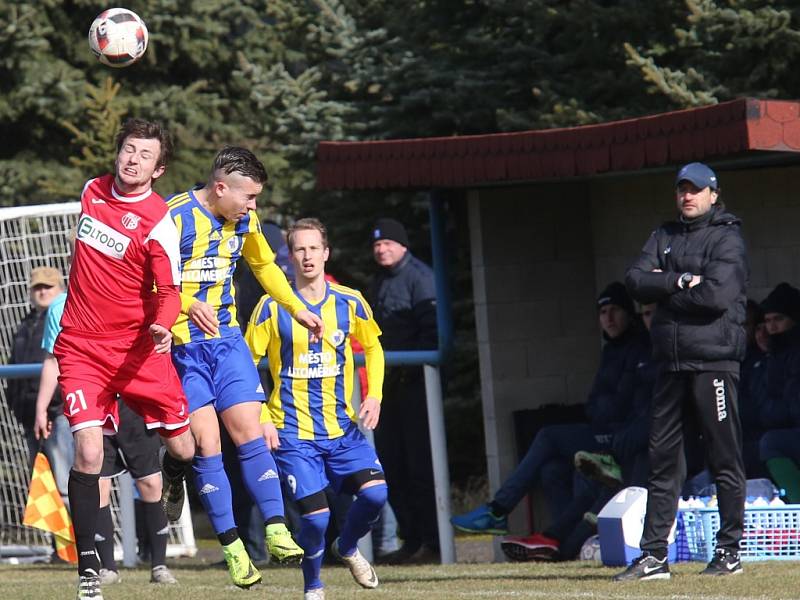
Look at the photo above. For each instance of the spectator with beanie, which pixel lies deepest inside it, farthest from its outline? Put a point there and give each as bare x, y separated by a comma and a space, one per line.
695, 269
549, 460
779, 447
403, 297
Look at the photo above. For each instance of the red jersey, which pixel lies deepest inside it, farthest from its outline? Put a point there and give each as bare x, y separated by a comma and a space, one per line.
124, 246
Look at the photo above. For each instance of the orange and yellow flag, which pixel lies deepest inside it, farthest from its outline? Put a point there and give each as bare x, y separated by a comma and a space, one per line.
45, 509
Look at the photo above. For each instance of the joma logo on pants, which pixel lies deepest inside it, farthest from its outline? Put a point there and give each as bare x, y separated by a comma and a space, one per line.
719, 392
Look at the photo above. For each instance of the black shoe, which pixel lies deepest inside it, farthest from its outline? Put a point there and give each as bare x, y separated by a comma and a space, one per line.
643, 568
172, 495
725, 562
402, 556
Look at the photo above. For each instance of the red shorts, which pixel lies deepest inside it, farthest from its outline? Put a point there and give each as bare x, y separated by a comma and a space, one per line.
95, 369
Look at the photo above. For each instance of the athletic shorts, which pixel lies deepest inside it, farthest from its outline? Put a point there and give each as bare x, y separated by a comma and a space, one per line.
219, 371
307, 467
94, 370
134, 448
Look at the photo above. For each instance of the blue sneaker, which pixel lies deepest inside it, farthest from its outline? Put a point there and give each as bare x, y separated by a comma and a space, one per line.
480, 520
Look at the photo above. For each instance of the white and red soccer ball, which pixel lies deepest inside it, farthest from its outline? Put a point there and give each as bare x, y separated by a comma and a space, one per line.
118, 37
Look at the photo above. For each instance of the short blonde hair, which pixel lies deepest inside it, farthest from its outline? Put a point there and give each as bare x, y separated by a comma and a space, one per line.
307, 224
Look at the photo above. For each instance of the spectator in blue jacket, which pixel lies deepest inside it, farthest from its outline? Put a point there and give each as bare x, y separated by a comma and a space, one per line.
553, 449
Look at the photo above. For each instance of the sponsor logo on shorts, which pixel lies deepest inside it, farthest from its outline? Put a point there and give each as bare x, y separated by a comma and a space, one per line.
268, 474
374, 472
719, 392
131, 221
102, 238
207, 489
292, 483
260, 389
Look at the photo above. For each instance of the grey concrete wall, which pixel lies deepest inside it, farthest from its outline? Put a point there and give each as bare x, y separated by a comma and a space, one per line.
540, 255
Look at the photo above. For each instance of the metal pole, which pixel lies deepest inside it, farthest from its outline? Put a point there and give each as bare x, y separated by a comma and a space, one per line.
441, 471
127, 520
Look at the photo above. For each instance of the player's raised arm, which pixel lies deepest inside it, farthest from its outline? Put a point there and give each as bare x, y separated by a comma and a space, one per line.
164, 259
261, 259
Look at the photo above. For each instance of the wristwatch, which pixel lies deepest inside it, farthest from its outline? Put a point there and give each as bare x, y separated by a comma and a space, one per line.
684, 280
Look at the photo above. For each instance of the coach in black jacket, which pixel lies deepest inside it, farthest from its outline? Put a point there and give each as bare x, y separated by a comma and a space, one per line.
695, 268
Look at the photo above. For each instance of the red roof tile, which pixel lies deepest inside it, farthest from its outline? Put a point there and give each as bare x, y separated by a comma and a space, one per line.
703, 133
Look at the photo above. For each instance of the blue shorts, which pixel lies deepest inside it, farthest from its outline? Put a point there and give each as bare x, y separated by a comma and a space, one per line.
218, 371
307, 466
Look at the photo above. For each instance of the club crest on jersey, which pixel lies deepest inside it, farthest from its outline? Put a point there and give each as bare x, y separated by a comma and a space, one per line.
131, 221
337, 337
234, 243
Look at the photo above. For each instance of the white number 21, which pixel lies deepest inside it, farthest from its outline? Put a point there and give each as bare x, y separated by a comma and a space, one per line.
76, 398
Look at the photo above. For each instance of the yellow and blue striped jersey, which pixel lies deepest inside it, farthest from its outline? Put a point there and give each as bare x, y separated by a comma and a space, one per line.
314, 381
210, 248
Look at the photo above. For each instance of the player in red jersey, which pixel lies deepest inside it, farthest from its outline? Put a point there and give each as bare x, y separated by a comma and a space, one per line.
116, 329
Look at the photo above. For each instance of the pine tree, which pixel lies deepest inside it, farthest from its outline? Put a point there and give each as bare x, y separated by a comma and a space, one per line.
721, 50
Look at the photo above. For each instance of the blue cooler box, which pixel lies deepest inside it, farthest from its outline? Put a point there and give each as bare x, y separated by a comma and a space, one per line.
620, 525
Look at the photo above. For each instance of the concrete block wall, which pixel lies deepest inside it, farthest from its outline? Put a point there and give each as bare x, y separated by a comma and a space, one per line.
533, 278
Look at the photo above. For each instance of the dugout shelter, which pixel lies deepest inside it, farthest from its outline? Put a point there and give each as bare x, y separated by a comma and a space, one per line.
556, 214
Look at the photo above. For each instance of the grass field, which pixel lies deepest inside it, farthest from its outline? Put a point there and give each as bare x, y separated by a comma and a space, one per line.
581, 580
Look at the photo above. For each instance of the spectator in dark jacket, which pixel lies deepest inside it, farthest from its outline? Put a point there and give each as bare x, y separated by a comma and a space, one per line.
554, 446
779, 447
626, 463
46, 296
753, 390
46, 284
403, 297
695, 268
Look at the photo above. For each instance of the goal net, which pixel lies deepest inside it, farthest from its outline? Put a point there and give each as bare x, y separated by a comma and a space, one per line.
33, 236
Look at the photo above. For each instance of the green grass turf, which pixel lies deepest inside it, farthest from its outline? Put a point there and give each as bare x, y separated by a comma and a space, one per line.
580, 580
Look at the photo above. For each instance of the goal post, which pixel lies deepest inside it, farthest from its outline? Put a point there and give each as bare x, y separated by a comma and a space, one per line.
33, 236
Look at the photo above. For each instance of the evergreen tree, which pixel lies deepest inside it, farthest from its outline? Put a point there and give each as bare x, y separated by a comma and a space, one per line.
722, 50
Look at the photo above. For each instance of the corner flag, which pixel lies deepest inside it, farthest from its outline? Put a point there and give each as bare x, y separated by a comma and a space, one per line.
45, 510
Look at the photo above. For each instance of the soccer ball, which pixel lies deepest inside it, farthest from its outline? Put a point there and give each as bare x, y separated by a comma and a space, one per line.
118, 37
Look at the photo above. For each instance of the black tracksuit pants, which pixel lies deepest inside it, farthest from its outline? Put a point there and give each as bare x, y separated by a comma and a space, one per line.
402, 441
710, 397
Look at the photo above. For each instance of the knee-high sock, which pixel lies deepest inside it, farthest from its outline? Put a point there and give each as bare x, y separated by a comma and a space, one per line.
786, 474
157, 532
312, 540
361, 516
104, 539
214, 491
84, 501
260, 476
